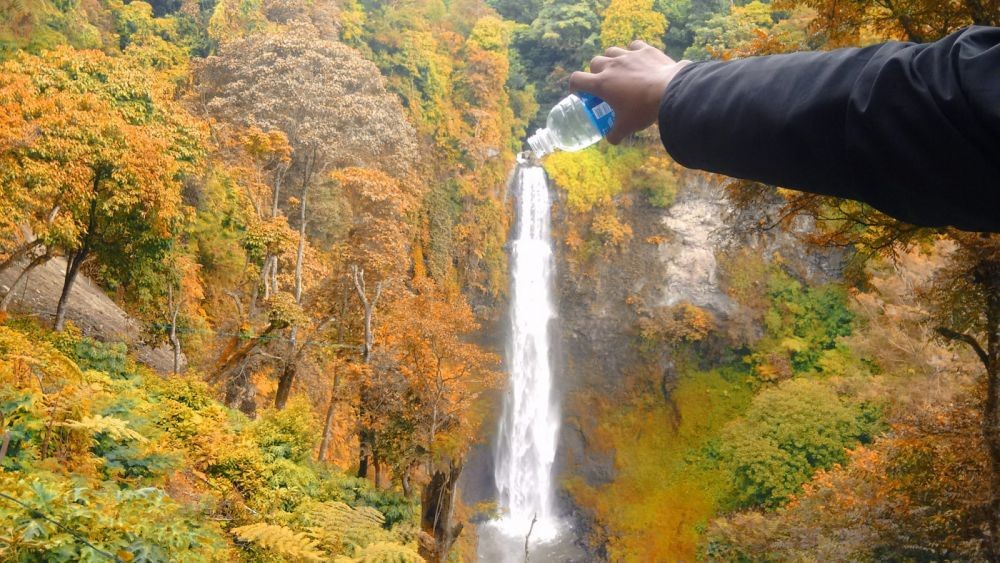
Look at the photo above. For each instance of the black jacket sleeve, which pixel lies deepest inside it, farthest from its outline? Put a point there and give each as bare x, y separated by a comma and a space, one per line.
911, 129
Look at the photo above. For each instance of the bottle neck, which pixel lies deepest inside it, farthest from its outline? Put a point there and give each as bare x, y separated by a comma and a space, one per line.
541, 142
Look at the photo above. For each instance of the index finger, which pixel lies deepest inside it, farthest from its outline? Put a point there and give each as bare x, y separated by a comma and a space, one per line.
585, 82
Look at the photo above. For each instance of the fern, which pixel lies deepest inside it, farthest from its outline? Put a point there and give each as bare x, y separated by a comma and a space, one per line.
387, 552
345, 529
281, 540
116, 428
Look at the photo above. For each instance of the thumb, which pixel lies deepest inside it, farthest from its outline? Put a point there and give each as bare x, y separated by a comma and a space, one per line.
618, 133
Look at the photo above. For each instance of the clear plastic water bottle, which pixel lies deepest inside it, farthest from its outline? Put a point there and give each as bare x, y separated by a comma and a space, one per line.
578, 121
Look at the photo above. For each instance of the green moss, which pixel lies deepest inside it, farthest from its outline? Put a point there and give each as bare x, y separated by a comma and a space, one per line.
667, 486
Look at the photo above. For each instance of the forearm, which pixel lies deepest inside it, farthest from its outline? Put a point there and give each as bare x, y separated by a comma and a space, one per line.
913, 130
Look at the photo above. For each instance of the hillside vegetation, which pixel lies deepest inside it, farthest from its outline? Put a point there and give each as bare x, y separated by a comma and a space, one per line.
307, 202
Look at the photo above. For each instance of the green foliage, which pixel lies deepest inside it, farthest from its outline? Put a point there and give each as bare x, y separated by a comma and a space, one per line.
81, 456
788, 433
108, 357
521, 11
289, 433
131, 524
36, 25
802, 324
111, 455
559, 40
725, 31
657, 179
353, 491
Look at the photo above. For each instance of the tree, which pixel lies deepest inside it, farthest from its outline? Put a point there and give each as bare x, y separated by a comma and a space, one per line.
628, 20
727, 31
108, 165
560, 40
376, 255
182, 302
910, 20
427, 333
786, 434
913, 494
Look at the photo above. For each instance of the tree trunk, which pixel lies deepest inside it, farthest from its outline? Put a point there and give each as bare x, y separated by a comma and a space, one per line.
288, 371
331, 413
76, 258
366, 436
364, 453
989, 275
72, 269
264, 279
285, 384
358, 275
19, 253
437, 504
300, 254
240, 393
36, 262
175, 342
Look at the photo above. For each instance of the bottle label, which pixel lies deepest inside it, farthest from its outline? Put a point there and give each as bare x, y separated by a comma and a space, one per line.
599, 112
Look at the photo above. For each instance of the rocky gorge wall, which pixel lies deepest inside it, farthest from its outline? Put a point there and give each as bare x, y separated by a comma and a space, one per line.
671, 258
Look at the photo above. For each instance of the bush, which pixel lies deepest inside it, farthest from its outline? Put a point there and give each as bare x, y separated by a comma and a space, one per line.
788, 433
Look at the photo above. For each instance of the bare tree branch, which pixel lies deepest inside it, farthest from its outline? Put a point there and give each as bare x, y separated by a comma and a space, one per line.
953, 335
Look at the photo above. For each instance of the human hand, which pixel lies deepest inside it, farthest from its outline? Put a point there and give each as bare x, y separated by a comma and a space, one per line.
632, 82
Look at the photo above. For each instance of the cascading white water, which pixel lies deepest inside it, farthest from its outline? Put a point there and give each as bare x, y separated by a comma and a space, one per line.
526, 446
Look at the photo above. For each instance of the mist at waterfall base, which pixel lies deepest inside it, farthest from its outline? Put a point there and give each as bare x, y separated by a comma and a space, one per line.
529, 424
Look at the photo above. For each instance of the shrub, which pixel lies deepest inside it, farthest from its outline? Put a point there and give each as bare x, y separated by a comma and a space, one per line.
788, 433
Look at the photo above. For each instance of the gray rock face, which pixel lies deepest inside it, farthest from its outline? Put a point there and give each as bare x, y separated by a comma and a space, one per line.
88, 307
696, 228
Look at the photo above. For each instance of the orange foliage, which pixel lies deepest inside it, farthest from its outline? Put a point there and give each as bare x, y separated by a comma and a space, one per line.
426, 332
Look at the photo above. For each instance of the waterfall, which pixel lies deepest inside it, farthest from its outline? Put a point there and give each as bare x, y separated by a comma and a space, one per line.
526, 444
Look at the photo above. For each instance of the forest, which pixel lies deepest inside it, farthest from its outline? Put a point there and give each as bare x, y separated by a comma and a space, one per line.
255, 289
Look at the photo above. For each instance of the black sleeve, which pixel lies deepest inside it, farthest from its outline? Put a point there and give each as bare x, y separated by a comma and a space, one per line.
913, 130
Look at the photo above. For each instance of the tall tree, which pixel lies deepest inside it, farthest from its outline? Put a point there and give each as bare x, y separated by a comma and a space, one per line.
376, 255
428, 331
332, 107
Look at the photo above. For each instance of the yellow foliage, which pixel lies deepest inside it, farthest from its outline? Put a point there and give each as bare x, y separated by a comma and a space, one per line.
683, 322
116, 428
281, 540
628, 20
662, 492
610, 229
384, 552
590, 176
29, 363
